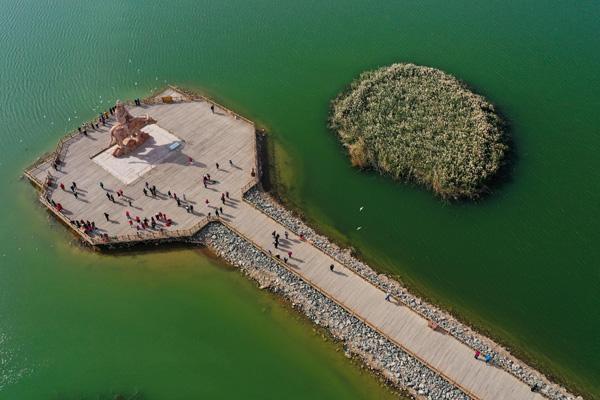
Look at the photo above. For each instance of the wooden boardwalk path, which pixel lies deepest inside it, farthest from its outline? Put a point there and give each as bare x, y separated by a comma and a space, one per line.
211, 138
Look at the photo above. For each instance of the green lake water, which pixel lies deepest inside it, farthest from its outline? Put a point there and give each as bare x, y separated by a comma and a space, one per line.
523, 263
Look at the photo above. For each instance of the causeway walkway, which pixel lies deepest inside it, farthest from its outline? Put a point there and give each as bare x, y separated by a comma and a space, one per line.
441, 352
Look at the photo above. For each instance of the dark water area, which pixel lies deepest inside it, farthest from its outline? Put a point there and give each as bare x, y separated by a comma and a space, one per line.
523, 263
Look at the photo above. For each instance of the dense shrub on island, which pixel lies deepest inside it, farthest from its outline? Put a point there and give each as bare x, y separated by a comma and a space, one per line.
422, 125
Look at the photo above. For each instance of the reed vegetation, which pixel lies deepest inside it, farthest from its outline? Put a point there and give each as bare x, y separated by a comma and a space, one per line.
422, 125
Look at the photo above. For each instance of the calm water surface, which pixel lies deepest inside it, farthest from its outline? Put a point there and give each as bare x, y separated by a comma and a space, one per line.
524, 263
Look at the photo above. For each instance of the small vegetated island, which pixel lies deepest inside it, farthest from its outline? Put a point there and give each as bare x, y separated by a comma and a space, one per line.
422, 125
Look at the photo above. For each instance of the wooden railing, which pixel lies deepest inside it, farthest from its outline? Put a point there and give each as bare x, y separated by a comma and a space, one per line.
197, 96
141, 236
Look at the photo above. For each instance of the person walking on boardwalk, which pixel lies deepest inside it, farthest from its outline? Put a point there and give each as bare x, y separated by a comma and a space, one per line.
223, 198
212, 108
106, 216
477, 354
76, 195
286, 234
217, 164
289, 254
388, 297
62, 186
227, 194
101, 185
221, 209
331, 267
217, 213
74, 185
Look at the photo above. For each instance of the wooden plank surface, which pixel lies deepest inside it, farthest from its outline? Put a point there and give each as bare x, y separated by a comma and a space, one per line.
209, 138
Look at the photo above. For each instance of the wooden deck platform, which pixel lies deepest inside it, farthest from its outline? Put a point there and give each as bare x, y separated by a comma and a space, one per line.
210, 138
207, 138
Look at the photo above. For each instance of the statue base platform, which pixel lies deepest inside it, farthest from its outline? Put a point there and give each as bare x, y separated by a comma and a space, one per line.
141, 157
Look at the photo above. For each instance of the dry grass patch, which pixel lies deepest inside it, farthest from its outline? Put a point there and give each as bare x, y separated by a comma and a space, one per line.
422, 125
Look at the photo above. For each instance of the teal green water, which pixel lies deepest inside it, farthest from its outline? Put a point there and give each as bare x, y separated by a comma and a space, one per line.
523, 263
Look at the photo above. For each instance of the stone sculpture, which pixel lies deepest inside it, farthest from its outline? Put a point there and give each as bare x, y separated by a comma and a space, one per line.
126, 133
